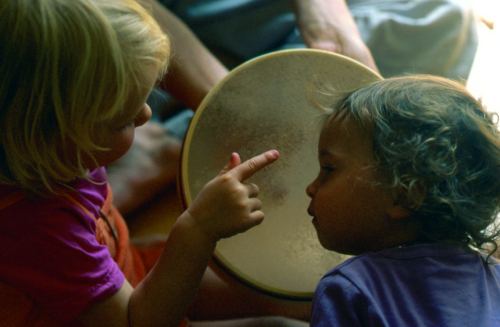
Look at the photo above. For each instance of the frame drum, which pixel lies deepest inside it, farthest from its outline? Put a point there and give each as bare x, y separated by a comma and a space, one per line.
261, 105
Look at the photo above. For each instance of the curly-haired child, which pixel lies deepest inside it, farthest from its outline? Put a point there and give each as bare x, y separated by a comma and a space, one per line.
409, 184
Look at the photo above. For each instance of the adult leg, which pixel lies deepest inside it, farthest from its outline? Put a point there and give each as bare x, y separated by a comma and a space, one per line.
220, 296
149, 166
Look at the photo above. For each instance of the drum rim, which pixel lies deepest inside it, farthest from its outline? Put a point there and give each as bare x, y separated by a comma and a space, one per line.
184, 189
186, 198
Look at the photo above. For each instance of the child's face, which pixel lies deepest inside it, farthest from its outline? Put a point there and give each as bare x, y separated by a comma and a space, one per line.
119, 135
352, 211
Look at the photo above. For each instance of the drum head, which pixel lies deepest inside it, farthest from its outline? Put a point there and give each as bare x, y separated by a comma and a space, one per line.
262, 105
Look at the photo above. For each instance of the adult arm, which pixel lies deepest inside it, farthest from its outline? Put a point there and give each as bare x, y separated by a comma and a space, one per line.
193, 70
328, 25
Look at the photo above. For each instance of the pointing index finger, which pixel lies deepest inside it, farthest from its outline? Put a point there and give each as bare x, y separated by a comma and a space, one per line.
251, 166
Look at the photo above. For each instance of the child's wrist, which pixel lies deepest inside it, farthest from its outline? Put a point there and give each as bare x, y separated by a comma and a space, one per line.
198, 230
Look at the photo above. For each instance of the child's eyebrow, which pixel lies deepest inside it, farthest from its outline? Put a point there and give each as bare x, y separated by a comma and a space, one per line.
333, 155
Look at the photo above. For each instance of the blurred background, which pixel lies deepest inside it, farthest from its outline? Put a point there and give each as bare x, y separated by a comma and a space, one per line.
484, 79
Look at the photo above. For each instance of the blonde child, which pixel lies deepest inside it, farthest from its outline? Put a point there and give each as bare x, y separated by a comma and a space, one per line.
410, 185
75, 78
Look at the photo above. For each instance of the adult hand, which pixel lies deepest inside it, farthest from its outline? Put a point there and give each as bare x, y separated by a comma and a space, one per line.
328, 25
226, 205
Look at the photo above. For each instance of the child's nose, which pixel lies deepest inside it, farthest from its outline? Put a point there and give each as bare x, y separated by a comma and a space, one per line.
144, 116
311, 189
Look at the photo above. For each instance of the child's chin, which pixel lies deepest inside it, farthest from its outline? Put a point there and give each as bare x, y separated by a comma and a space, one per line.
325, 243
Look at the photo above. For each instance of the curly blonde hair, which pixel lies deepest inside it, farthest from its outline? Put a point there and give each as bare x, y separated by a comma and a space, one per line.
435, 144
67, 66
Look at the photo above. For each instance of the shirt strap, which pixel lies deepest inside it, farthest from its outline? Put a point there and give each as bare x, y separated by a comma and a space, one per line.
72, 200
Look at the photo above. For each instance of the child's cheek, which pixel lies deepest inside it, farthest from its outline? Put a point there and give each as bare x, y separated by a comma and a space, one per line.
117, 143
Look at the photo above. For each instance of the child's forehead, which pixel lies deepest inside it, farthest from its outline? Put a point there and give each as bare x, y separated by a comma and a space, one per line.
343, 135
343, 126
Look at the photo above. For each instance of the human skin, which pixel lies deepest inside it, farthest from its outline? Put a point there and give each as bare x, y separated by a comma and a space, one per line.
225, 206
352, 208
324, 24
193, 69
328, 25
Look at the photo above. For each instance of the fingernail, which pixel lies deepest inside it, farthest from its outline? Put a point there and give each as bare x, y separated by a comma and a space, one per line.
275, 154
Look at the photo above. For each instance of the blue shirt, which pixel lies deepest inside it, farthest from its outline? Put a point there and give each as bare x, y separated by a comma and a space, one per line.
440, 284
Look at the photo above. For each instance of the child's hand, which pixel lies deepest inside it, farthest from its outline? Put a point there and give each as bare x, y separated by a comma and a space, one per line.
226, 206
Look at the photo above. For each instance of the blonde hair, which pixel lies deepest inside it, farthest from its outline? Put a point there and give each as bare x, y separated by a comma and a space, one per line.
67, 66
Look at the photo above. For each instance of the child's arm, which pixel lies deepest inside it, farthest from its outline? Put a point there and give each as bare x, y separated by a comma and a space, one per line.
225, 206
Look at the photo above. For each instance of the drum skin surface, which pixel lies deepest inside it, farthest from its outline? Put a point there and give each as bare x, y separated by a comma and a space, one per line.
261, 105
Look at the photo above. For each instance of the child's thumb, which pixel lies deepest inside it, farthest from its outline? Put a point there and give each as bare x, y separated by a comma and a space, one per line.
234, 161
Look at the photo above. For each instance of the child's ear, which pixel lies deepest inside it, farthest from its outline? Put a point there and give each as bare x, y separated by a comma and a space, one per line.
407, 200
399, 211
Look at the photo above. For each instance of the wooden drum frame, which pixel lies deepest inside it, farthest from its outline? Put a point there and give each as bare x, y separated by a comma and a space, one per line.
261, 105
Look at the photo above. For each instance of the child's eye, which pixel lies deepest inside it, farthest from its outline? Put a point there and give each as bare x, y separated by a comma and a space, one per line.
327, 169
